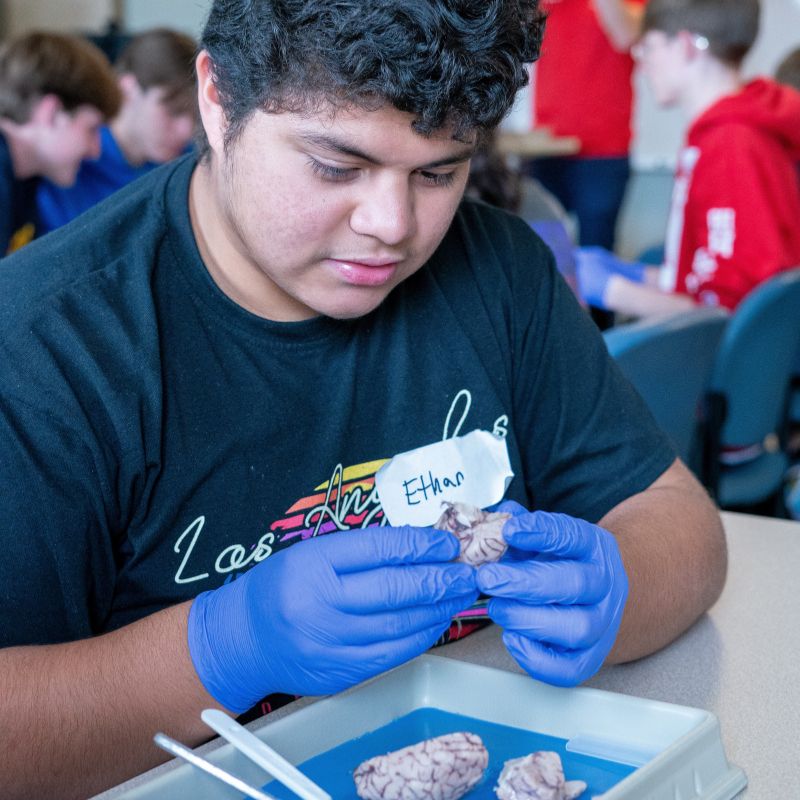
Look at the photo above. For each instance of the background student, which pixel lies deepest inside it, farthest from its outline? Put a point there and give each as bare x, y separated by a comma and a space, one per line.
154, 124
736, 199
582, 87
55, 92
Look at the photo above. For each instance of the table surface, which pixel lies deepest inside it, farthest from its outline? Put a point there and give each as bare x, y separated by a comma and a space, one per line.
536, 143
741, 660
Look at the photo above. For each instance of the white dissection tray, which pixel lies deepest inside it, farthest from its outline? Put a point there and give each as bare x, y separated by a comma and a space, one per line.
652, 750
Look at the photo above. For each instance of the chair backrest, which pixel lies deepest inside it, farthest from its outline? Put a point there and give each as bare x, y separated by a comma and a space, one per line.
755, 361
668, 360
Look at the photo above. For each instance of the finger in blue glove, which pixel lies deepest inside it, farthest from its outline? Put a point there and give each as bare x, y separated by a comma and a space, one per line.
327, 613
595, 268
559, 596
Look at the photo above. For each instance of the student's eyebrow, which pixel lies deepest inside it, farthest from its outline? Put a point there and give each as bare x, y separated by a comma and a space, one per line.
331, 143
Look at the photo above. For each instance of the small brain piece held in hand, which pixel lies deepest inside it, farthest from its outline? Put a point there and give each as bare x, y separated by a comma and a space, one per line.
538, 776
480, 532
444, 768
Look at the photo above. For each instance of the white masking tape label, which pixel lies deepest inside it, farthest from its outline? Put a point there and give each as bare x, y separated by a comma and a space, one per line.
466, 469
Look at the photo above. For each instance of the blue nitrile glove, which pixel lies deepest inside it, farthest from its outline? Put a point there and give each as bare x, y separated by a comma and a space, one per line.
327, 613
595, 266
559, 593
555, 236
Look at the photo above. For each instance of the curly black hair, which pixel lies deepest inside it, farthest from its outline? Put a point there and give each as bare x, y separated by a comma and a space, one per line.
452, 63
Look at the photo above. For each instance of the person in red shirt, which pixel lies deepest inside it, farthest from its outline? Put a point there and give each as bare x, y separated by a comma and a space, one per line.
735, 213
582, 87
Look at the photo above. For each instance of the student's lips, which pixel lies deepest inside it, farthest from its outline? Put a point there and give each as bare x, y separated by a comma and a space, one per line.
365, 272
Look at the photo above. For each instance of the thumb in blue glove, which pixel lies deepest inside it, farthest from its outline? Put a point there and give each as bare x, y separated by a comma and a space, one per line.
595, 268
559, 594
327, 613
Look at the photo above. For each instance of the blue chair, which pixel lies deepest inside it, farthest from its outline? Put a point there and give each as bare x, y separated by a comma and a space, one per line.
652, 255
794, 397
746, 402
668, 360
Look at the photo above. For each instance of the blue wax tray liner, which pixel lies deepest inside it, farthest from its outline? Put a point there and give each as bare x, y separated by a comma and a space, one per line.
333, 770
622, 746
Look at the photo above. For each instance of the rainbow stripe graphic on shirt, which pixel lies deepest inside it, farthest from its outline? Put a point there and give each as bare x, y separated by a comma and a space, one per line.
346, 501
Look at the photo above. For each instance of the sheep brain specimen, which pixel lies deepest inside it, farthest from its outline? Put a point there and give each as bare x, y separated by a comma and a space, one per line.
443, 768
538, 776
480, 532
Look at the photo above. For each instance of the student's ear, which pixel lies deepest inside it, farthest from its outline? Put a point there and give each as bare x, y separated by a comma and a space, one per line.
46, 109
129, 86
212, 115
689, 49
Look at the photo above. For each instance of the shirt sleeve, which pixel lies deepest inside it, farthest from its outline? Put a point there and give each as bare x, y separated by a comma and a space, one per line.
590, 442
733, 236
58, 567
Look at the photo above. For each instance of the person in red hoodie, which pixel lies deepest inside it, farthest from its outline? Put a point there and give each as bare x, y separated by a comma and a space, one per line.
735, 216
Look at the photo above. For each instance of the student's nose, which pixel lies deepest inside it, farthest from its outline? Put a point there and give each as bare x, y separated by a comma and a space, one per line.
385, 211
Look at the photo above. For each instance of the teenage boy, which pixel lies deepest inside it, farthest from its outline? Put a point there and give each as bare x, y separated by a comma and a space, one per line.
736, 200
55, 92
202, 378
154, 125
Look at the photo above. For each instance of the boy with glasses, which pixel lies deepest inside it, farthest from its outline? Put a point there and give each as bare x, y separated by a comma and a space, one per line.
736, 198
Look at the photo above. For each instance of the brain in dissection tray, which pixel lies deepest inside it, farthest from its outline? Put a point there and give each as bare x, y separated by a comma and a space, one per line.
443, 768
538, 776
480, 532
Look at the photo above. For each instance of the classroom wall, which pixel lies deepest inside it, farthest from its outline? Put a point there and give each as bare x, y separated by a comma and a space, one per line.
17, 16
185, 15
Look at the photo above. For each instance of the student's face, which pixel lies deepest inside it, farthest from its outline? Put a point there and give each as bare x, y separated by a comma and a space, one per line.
161, 132
324, 214
68, 139
661, 60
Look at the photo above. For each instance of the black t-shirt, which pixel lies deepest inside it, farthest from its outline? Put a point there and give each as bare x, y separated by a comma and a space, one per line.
17, 202
158, 439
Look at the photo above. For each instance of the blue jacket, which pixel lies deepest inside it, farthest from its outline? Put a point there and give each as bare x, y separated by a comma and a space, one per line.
97, 179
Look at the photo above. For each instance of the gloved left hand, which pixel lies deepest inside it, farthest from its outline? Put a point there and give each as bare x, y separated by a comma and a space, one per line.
596, 266
559, 594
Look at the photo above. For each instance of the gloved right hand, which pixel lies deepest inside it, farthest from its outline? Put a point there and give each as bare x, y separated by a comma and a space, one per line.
559, 593
596, 266
327, 613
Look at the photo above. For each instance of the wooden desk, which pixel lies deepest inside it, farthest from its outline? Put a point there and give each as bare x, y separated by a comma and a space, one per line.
536, 143
741, 661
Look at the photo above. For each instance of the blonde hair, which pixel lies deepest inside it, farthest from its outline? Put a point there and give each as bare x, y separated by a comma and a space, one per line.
72, 69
